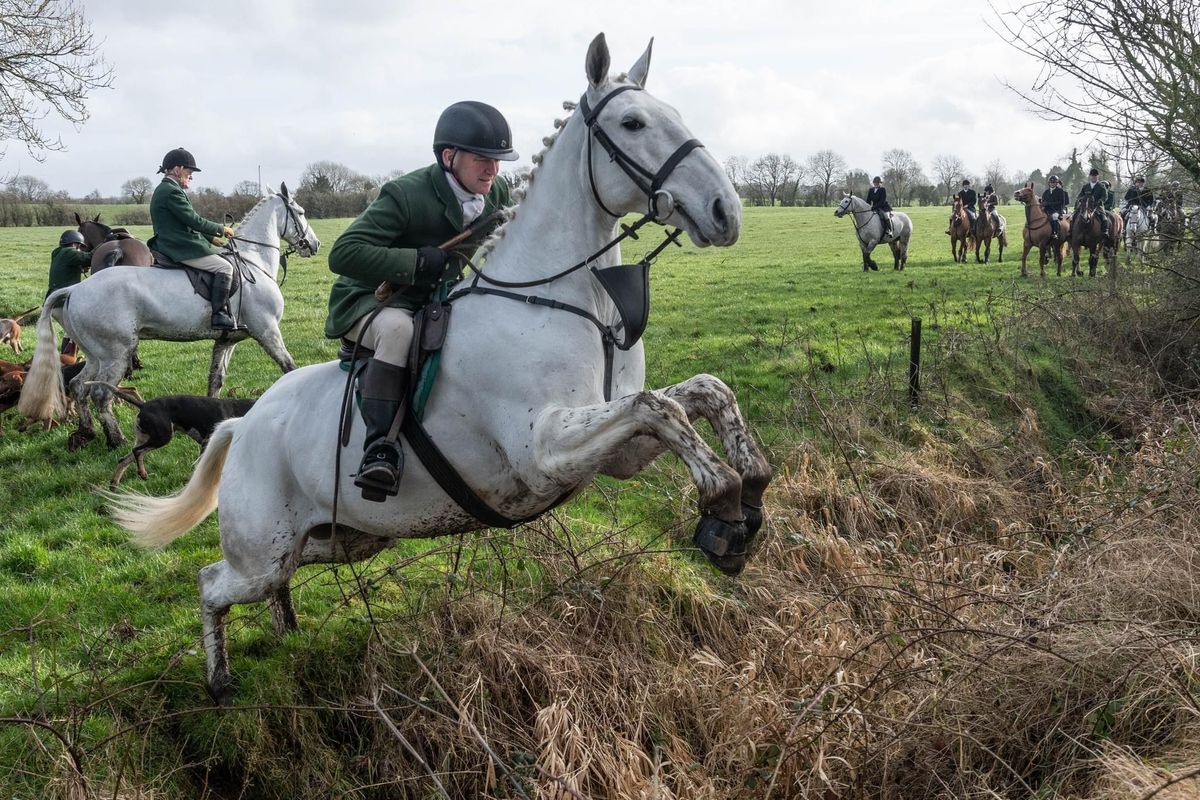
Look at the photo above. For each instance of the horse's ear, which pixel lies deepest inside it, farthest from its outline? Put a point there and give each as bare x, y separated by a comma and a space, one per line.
283, 189
597, 61
96, 218
637, 73
78, 221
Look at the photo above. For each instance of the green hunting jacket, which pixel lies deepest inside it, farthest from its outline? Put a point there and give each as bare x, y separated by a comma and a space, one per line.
179, 232
415, 210
67, 266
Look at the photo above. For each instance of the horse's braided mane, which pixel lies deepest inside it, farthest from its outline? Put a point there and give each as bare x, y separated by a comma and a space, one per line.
254, 208
518, 195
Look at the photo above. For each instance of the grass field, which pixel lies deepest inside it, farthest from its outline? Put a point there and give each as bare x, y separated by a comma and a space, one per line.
95, 633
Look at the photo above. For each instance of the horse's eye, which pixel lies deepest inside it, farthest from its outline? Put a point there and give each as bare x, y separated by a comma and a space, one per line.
632, 124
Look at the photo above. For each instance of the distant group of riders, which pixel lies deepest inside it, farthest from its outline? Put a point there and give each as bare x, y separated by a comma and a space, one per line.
1056, 201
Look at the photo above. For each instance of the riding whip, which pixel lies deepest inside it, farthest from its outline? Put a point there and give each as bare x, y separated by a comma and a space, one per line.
386, 289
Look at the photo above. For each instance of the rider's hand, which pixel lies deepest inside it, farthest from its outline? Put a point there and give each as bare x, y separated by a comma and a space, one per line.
217, 241
228, 231
431, 263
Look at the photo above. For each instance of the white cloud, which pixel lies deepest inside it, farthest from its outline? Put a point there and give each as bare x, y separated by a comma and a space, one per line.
282, 83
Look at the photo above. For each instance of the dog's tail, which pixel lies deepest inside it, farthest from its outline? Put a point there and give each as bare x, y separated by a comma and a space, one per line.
20, 318
43, 397
128, 397
158, 521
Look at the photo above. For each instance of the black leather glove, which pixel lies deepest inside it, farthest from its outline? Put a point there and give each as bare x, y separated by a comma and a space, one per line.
431, 263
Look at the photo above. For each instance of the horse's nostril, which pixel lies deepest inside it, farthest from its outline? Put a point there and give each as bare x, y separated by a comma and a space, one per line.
719, 216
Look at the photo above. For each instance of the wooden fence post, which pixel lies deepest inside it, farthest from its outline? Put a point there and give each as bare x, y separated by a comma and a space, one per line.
914, 363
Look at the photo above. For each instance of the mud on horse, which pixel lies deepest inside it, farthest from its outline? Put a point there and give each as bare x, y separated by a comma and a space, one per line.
525, 428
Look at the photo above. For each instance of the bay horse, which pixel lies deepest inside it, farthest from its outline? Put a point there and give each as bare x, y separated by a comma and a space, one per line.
110, 312
990, 225
1085, 234
960, 232
520, 408
122, 251
869, 231
1037, 232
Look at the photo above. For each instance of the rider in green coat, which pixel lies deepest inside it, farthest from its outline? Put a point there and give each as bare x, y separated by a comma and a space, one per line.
69, 261
396, 239
184, 236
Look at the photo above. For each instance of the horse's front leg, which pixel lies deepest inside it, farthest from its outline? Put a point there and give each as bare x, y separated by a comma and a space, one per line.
572, 444
708, 397
219, 366
271, 340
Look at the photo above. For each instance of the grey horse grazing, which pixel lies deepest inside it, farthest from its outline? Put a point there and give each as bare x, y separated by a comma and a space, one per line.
110, 312
869, 231
521, 406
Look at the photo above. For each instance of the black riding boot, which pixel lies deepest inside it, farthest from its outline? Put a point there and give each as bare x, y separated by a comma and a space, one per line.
382, 388
1053, 229
886, 222
1104, 223
221, 321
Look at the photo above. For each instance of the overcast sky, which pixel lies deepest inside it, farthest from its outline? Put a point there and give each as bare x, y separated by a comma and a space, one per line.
278, 84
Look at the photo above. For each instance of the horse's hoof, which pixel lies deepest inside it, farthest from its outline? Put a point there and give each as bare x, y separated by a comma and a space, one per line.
723, 543
78, 439
752, 519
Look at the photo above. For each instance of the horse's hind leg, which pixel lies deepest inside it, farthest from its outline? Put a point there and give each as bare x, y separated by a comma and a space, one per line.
219, 366
86, 430
221, 586
103, 397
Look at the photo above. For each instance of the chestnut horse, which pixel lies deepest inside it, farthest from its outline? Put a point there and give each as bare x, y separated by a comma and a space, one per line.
1086, 234
1037, 232
989, 225
960, 233
124, 251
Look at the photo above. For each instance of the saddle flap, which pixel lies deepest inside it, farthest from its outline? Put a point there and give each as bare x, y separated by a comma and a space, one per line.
628, 285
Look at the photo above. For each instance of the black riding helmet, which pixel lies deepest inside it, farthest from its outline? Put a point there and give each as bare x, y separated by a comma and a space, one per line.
69, 238
475, 127
178, 158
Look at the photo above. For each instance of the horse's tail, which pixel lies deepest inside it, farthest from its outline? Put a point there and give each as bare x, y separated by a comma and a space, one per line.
158, 521
43, 396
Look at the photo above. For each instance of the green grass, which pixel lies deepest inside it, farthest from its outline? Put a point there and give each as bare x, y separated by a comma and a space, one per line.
788, 307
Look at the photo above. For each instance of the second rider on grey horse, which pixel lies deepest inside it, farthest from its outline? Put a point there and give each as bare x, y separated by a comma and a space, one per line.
182, 235
396, 240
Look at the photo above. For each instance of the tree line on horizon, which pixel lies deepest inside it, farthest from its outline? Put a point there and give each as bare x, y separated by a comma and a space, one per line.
819, 180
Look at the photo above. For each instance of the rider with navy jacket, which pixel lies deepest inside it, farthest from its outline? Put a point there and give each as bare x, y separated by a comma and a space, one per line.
1138, 195
968, 197
1054, 202
877, 197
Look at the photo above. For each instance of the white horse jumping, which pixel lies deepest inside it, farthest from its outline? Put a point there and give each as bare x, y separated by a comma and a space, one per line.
110, 312
1139, 233
869, 231
519, 408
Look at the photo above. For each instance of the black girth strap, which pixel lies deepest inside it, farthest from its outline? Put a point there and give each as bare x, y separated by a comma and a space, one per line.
452, 483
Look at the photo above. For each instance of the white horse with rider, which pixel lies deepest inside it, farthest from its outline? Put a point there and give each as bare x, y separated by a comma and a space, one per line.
868, 229
1140, 233
110, 312
520, 409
